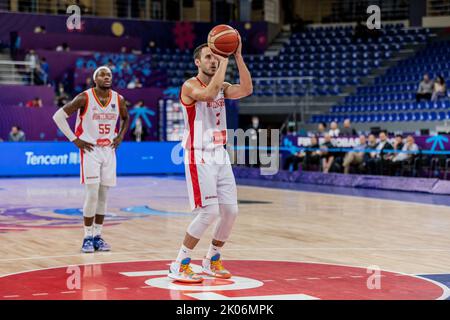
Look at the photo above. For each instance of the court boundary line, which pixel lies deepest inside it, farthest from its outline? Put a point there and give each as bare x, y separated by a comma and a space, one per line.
350, 196
236, 249
445, 289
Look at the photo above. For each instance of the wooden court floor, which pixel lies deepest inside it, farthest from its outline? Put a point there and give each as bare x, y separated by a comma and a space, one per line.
40, 228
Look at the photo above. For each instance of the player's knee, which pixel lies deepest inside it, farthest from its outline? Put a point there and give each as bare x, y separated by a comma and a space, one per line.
101, 202
204, 218
209, 214
229, 211
91, 200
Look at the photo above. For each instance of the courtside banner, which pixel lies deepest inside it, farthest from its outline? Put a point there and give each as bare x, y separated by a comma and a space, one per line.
63, 158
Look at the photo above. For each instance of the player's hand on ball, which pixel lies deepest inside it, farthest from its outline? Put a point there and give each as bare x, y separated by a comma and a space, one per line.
238, 51
219, 57
83, 145
116, 142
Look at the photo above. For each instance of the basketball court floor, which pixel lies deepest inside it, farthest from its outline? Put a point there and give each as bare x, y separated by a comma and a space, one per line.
290, 241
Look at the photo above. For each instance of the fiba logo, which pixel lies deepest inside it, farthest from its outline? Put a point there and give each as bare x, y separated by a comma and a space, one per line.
73, 22
374, 20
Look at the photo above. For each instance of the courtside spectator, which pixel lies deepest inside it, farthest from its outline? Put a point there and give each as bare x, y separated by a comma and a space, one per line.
347, 130
307, 157
440, 88
356, 156
409, 151
398, 144
312, 155
425, 89
334, 130
16, 134
382, 158
327, 155
321, 129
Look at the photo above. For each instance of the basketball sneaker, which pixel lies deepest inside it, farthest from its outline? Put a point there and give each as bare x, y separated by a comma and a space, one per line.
88, 245
215, 268
100, 244
183, 272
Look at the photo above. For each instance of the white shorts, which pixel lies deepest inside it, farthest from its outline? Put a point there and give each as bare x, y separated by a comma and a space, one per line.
98, 166
209, 177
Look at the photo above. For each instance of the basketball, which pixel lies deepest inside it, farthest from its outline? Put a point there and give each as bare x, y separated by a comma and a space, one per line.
223, 40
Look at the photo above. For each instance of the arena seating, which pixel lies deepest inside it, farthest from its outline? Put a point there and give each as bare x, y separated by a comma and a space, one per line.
331, 56
392, 96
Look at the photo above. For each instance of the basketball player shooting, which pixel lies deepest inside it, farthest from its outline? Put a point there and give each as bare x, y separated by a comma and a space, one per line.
210, 180
97, 138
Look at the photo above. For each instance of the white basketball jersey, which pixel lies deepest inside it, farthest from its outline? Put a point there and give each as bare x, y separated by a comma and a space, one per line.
205, 123
97, 124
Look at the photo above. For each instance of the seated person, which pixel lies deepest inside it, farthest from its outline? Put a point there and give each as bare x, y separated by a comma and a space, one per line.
326, 155
425, 89
380, 159
35, 103
398, 143
347, 130
409, 151
440, 90
301, 156
356, 156
334, 130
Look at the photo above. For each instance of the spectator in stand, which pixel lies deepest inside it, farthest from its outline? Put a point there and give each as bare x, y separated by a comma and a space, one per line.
61, 96
326, 154
135, 83
63, 47
355, 156
381, 158
35, 103
16, 134
88, 84
334, 130
347, 130
409, 152
44, 65
440, 89
425, 89
111, 65
321, 129
32, 57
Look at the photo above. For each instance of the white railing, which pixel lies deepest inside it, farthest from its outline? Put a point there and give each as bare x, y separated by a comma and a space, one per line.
14, 72
438, 8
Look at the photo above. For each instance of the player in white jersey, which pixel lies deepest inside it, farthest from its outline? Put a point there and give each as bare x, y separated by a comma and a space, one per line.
98, 110
210, 180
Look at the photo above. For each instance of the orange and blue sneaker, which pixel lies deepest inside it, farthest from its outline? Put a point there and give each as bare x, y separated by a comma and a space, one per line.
183, 272
215, 268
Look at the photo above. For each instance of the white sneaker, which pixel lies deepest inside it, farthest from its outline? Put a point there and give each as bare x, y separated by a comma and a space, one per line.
215, 268
182, 272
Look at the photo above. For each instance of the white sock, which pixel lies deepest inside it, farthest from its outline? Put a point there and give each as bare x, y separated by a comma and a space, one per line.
183, 253
97, 229
88, 231
213, 250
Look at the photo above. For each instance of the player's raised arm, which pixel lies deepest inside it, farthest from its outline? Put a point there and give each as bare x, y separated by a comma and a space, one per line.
245, 86
124, 122
60, 118
193, 92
